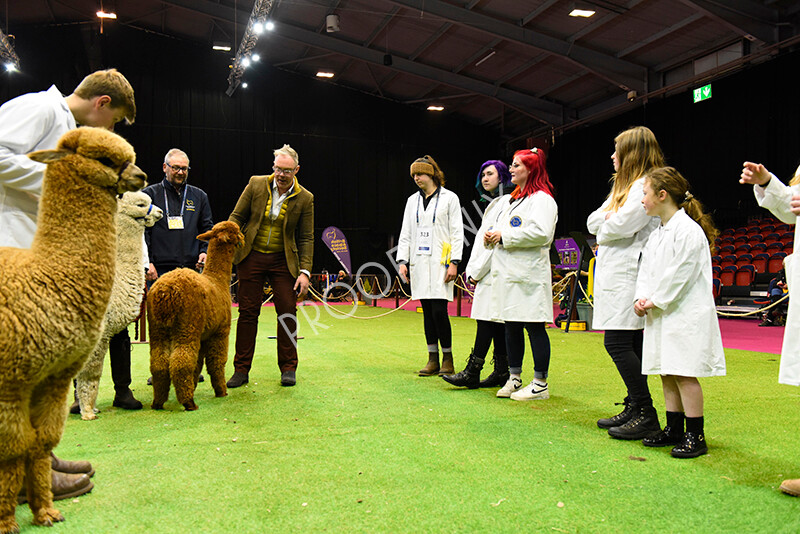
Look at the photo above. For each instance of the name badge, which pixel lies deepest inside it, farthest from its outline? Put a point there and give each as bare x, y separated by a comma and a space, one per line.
175, 223
424, 240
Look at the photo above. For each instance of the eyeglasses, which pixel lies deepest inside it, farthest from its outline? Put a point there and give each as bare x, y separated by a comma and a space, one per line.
285, 172
178, 168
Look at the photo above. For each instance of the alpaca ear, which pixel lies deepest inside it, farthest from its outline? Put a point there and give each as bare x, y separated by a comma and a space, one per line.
49, 156
205, 236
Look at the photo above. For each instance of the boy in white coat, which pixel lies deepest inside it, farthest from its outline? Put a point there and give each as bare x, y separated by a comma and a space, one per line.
428, 251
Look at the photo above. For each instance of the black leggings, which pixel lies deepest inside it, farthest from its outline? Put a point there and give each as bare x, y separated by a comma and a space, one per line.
540, 345
437, 322
486, 333
625, 348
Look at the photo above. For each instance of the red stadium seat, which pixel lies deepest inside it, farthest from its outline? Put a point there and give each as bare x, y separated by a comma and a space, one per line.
724, 250
772, 248
717, 285
786, 237
745, 275
755, 238
760, 262
776, 262
744, 259
771, 238
758, 247
727, 261
728, 275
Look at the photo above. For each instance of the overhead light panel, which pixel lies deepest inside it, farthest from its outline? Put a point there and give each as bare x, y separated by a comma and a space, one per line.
324, 74
104, 15
435, 107
332, 23
221, 46
582, 9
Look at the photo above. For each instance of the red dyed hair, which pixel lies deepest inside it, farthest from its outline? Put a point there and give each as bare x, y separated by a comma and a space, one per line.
538, 180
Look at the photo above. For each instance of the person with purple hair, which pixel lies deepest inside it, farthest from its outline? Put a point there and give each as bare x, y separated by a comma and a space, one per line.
494, 181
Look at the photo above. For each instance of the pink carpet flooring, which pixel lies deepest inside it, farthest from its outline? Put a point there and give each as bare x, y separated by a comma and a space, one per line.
742, 334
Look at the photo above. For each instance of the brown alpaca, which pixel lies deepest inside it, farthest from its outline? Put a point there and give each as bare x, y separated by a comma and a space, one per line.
189, 315
53, 297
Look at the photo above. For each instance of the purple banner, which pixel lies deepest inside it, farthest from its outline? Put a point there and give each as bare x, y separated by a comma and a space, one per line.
568, 251
337, 243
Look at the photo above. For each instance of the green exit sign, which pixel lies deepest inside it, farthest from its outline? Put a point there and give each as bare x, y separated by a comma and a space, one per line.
702, 93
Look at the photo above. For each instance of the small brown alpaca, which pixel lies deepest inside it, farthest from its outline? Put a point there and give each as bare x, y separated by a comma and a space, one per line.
53, 298
189, 315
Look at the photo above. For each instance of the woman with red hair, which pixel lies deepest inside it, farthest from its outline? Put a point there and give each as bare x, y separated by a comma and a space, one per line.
521, 235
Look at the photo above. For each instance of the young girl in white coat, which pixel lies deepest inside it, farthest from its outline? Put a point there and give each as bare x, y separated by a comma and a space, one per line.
428, 251
520, 236
622, 228
784, 202
674, 292
493, 181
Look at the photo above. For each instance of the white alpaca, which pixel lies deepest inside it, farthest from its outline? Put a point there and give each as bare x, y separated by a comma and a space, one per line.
135, 211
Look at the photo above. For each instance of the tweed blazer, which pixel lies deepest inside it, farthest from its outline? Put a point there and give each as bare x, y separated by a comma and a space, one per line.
298, 223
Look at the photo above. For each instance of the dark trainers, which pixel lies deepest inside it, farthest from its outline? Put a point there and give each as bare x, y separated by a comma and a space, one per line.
238, 379
644, 423
126, 401
668, 436
618, 420
288, 378
691, 446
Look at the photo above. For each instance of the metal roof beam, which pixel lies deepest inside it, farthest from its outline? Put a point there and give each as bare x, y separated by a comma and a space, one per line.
746, 17
623, 73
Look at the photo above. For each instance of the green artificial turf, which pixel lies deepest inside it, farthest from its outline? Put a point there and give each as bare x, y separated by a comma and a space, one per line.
362, 444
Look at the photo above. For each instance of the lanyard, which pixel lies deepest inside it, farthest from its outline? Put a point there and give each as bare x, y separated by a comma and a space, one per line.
183, 197
511, 207
434, 207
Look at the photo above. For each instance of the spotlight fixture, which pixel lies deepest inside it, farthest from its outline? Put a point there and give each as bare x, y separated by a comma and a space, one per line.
582, 9
324, 74
632, 96
244, 85
104, 15
7, 53
260, 12
269, 26
435, 107
332, 23
258, 28
221, 46
256, 57
246, 62
10, 67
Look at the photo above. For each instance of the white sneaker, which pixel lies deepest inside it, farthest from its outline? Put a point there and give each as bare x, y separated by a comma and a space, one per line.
532, 391
512, 385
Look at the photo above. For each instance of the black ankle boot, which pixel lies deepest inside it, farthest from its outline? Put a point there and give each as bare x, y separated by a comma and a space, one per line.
644, 423
620, 419
470, 377
672, 433
691, 446
499, 376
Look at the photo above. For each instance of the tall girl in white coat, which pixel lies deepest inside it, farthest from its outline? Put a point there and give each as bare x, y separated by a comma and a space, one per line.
674, 292
520, 235
784, 202
622, 228
493, 181
428, 251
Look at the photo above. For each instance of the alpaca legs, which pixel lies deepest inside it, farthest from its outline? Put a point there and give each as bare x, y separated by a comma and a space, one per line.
11, 475
159, 369
215, 352
88, 380
16, 435
182, 370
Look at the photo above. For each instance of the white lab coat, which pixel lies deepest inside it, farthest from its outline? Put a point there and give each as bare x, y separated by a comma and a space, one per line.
480, 263
681, 334
427, 272
776, 198
30, 122
520, 266
621, 239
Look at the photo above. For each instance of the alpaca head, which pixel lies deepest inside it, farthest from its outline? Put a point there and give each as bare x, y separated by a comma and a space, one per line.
100, 157
225, 232
139, 207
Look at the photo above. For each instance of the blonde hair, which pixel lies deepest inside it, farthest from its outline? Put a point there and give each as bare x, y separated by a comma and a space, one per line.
112, 83
637, 152
286, 150
677, 187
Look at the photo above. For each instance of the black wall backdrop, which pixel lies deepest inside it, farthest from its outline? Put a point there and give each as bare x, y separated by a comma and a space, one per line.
355, 149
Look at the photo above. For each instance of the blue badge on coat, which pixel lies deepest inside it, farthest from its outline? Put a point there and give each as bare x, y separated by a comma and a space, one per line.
515, 221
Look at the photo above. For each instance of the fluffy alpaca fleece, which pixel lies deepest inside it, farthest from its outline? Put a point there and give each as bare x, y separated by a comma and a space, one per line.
53, 297
189, 315
135, 211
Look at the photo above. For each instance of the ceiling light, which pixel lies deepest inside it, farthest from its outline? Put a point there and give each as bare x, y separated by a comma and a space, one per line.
332, 23
582, 9
256, 57
435, 107
222, 46
244, 85
10, 67
269, 25
490, 54
103, 15
258, 28
246, 62
324, 74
